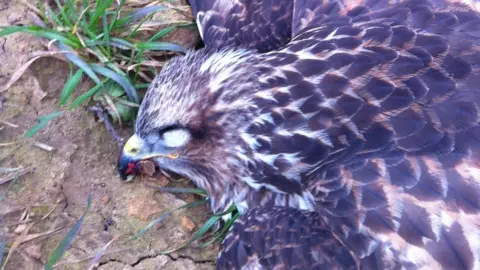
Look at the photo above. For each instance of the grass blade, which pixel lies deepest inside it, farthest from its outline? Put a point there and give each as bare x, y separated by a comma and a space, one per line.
42, 11
197, 235
142, 85
127, 103
3, 240
42, 122
138, 15
183, 190
99, 254
115, 42
121, 80
17, 243
142, 12
116, 15
160, 46
100, 9
79, 62
12, 29
10, 186
52, 17
41, 32
18, 73
222, 232
88, 13
231, 209
9, 170
121, 43
163, 217
63, 14
165, 31
71, 10
106, 34
80, 19
150, 225
70, 86
67, 240
85, 96
137, 27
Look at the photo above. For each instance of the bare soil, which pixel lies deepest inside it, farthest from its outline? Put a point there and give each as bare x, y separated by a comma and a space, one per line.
82, 162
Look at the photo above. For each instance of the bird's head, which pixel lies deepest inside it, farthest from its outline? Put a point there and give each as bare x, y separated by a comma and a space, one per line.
192, 115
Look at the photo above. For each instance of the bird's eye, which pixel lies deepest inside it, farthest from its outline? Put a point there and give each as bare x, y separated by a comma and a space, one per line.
176, 137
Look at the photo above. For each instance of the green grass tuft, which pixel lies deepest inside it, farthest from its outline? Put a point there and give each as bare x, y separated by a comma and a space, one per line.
105, 41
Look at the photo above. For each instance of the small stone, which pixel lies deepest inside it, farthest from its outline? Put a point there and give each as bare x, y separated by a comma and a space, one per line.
106, 199
174, 255
188, 224
20, 228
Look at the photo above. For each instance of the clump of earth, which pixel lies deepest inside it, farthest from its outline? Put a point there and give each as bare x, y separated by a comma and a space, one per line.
73, 157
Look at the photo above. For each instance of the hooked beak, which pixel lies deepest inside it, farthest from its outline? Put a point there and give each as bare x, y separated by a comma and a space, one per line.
132, 153
129, 157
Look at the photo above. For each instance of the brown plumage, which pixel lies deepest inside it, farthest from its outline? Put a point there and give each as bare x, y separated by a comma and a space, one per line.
347, 132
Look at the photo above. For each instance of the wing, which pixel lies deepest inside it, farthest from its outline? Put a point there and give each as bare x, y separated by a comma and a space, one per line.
269, 25
255, 24
282, 238
377, 114
313, 13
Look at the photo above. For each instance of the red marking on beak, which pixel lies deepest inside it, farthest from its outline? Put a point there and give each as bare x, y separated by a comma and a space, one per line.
132, 168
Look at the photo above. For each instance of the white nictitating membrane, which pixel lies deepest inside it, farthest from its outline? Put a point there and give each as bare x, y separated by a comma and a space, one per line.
176, 137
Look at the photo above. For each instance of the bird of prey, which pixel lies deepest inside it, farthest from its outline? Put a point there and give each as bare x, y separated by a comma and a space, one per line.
346, 132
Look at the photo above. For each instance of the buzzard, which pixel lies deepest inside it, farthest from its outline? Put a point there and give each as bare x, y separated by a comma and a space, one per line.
346, 132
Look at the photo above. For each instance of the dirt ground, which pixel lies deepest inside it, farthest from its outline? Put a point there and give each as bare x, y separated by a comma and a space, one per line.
82, 162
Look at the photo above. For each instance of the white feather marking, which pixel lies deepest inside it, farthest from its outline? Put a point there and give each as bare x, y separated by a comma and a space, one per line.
320, 135
305, 55
447, 220
331, 35
269, 159
249, 140
296, 104
239, 153
349, 91
292, 158
436, 221
176, 138
266, 117
419, 257
330, 103
223, 64
265, 95
475, 172
305, 202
